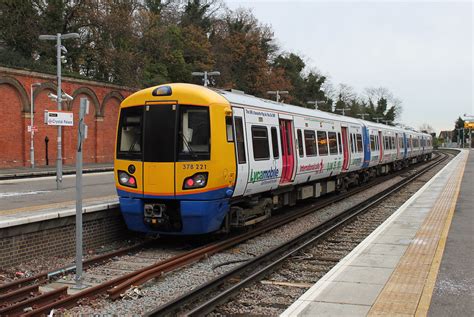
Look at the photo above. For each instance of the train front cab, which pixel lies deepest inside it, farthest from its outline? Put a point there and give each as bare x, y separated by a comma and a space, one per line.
175, 162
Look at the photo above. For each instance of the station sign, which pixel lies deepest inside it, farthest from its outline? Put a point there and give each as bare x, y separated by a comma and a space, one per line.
468, 125
62, 118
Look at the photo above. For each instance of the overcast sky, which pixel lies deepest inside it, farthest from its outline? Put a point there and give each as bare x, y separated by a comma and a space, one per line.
421, 51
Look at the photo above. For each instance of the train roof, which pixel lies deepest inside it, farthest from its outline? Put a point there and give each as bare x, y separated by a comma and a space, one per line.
240, 98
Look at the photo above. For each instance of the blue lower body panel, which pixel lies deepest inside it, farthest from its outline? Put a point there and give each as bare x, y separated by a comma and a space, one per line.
197, 217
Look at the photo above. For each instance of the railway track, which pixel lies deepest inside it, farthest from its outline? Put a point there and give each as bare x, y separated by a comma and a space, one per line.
231, 283
23, 296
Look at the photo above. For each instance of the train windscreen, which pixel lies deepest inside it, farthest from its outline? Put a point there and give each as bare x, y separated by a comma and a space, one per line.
152, 133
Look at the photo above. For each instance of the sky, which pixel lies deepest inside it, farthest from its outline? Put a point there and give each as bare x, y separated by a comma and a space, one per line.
422, 51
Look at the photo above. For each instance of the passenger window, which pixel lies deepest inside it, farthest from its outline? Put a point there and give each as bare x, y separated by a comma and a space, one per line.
300, 143
310, 143
372, 143
239, 133
322, 143
332, 143
359, 143
352, 143
261, 150
276, 153
229, 129
340, 143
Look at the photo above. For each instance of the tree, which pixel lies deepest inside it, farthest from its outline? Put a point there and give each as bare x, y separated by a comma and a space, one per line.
426, 128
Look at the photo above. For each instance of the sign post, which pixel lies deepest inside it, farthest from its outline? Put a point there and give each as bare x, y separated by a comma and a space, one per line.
81, 136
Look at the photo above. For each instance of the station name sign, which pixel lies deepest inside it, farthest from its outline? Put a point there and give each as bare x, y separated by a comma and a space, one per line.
63, 118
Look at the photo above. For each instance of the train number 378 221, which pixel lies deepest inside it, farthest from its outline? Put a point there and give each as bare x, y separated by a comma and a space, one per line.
194, 166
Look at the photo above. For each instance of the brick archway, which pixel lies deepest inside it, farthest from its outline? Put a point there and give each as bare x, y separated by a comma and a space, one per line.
25, 103
111, 95
91, 94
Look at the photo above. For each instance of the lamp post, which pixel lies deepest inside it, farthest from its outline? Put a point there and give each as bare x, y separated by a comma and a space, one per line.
205, 75
343, 110
315, 103
58, 37
378, 119
277, 93
32, 121
362, 115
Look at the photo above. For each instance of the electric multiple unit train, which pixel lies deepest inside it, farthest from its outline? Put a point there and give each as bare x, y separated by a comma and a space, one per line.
192, 160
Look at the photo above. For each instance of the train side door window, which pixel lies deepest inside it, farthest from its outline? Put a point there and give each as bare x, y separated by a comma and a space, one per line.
359, 142
322, 143
300, 143
310, 143
261, 150
276, 153
332, 143
239, 134
352, 143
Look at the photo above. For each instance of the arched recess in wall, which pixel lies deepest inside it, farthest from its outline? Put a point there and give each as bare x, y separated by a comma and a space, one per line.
25, 103
111, 95
91, 94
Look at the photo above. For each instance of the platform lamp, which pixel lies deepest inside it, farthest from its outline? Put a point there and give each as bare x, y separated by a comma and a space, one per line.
378, 119
32, 121
362, 115
315, 103
343, 110
277, 93
58, 37
205, 76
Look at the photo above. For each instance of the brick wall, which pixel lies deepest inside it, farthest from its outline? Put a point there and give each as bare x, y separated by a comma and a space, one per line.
57, 237
15, 96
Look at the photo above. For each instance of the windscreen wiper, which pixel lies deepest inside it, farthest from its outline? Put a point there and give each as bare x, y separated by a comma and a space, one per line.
190, 150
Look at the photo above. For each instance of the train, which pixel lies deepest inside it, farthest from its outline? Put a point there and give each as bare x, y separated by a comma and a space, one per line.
191, 160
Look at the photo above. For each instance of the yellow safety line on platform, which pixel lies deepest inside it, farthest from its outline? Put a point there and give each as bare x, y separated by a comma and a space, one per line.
402, 295
427, 294
65, 204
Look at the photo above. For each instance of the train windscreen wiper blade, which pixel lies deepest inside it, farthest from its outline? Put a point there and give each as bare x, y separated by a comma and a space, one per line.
190, 150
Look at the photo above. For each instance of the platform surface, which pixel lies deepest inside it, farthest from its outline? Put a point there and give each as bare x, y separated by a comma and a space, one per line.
394, 271
27, 200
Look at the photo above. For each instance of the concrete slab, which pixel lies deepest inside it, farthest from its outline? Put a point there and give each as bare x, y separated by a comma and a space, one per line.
359, 274
350, 293
386, 249
376, 260
334, 310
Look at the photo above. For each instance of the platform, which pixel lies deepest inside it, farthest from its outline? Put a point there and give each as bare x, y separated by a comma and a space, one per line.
396, 270
28, 200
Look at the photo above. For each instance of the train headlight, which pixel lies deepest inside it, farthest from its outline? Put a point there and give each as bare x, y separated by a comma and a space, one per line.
198, 180
127, 180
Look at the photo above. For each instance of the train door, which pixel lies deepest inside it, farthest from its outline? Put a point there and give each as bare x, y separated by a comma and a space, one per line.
287, 155
366, 142
405, 146
397, 143
381, 143
241, 151
345, 149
